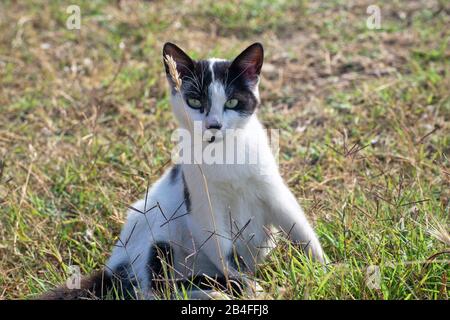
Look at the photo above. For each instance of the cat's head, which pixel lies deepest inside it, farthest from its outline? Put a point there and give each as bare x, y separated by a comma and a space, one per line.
218, 94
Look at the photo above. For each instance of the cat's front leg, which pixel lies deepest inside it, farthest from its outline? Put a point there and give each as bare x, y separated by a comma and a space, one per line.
285, 213
233, 277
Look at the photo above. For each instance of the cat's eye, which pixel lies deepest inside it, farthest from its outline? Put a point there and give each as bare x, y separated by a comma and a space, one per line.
232, 103
194, 103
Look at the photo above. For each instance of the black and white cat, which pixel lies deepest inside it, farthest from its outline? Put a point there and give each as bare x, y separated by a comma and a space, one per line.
211, 220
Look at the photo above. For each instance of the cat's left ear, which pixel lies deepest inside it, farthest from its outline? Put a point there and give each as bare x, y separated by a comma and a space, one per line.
249, 63
185, 65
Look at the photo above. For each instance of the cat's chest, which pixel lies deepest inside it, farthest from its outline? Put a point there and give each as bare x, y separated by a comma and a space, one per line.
233, 205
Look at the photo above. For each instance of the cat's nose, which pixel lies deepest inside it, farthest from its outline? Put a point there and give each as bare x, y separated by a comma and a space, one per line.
214, 125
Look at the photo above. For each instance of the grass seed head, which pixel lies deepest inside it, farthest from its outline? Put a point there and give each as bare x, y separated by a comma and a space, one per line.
173, 72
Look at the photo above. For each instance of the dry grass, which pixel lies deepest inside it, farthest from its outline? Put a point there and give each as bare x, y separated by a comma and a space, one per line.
364, 119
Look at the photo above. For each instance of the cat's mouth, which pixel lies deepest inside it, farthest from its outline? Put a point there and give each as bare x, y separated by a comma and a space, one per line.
211, 136
214, 138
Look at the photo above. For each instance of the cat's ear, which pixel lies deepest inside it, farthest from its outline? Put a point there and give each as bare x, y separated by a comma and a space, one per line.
185, 65
248, 64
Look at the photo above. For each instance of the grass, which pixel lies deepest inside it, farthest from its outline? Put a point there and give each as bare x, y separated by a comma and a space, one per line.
364, 118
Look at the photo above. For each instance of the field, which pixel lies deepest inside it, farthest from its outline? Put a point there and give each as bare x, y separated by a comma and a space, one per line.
363, 114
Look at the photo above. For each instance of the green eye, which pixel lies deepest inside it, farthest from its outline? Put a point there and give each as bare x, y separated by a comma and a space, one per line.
232, 103
194, 103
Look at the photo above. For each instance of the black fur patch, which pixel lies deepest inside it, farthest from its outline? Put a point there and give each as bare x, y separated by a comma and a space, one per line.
174, 173
196, 85
162, 251
159, 252
187, 196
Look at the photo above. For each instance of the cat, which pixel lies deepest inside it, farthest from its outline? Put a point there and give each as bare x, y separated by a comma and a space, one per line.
209, 221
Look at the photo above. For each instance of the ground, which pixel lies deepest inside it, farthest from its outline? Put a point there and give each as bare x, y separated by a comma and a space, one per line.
363, 113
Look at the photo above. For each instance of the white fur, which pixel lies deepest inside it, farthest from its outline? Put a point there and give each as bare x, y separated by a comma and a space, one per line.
241, 192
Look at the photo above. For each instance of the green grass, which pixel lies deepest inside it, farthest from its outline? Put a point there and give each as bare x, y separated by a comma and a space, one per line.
363, 116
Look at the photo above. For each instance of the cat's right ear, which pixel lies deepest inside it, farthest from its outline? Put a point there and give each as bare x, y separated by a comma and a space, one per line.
249, 63
185, 65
